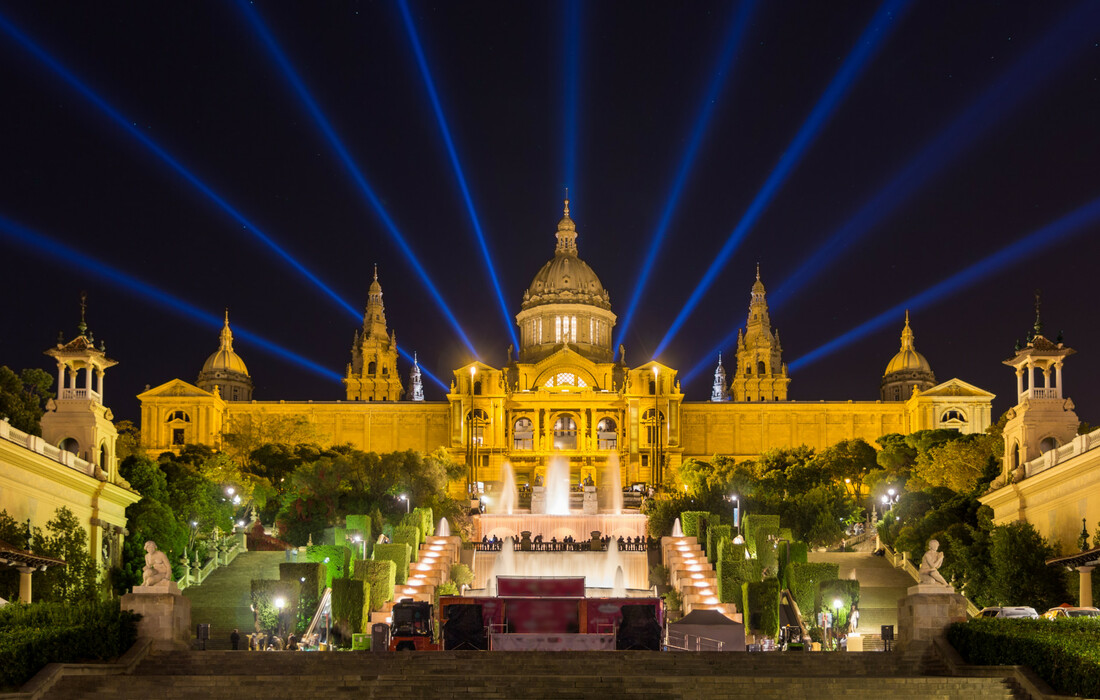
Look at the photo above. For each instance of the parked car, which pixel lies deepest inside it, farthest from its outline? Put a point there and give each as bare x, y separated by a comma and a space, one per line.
1018, 611
1068, 611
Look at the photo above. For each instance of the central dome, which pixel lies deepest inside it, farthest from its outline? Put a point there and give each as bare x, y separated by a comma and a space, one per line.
566, 278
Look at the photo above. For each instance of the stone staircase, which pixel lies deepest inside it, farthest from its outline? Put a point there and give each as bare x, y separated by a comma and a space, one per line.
693, 576
432, 567
577, 675
880, 586
224, 599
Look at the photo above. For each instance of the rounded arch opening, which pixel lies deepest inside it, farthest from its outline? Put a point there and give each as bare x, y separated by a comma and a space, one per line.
565, 433
1047, 444
70, 445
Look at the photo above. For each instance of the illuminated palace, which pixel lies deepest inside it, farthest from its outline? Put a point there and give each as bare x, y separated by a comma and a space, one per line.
566, 395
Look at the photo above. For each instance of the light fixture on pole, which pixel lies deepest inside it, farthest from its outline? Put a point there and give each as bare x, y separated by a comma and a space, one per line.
408, 506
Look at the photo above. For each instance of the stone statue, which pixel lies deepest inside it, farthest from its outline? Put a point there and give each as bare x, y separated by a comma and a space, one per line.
157, 569
930, 564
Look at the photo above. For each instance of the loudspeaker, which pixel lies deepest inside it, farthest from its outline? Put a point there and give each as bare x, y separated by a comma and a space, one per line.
639, 629
464, 628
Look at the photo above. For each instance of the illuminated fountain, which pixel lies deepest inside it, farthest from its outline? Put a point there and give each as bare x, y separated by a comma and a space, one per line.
557, 486
677, 529
613, 484
507, 502
443, 529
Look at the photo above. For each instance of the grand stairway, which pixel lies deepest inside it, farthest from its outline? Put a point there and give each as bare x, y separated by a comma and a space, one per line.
693, 576
278, 675
224, 600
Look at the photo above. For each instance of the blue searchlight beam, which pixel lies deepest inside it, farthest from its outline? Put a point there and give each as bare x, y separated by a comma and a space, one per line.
885, 19
425, 73
1069, 225
356, 174
722, 71
1067, 37
131, 128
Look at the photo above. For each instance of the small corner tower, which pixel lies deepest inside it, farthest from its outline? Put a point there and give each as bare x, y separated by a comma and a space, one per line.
1043, 417
224, 372
718, 389
372, 373
416, 384
760, 374
78, 421
907, 370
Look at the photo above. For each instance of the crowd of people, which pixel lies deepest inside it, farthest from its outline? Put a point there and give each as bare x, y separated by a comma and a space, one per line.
263, 641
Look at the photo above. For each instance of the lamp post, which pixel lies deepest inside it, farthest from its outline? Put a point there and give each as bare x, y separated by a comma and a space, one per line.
736, 513
408, 506
280, 603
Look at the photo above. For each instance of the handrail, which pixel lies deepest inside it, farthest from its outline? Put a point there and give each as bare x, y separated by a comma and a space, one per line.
971, 609
322, 606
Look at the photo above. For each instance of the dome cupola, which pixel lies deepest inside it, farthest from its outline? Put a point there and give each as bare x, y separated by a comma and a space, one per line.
225, 370
908, 369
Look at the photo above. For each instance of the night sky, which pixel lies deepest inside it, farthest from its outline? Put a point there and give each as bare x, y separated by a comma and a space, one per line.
514, 79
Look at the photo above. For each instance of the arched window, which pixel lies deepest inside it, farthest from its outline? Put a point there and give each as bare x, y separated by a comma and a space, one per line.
653, 428
1047, 444
70, 445
103, 457
1015, 456
385, 370
477, 420
748, 370
953, 414
566, 379
372, 367
178, 415
760, 369
652, 387
523, 434
565, 433
477, 387
607, 435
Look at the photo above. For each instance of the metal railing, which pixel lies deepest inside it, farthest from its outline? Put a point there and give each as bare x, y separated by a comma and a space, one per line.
627, 545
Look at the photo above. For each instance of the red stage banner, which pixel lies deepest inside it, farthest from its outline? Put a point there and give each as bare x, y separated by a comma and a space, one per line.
536, 587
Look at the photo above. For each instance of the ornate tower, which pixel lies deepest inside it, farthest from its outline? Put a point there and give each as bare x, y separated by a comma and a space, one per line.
372, 373
416, 384
718, 390
907, 370
1043, 417
760, 374
78, 421
565, 305
226, 371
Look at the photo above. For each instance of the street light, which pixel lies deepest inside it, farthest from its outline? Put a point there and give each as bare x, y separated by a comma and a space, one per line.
280, 603
408, 506
735, 499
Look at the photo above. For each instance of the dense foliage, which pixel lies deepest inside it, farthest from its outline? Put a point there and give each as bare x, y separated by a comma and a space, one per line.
267, 596
410, 535
1065, 653
350, 606
23, 398
715, 534
830, 591
803, 580
381, 576
63, 538
32, 636
761, 601
311, 579
335, 558
399, 554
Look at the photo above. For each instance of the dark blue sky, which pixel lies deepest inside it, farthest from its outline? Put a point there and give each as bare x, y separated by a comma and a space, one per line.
195, 78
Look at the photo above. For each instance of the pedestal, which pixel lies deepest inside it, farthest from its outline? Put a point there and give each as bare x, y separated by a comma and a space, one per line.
165, 615
591, 502
538, 500
926, 613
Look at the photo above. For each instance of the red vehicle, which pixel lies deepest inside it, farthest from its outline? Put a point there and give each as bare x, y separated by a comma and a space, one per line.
412, 627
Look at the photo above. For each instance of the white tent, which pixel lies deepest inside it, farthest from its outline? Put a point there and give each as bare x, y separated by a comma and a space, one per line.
702, 630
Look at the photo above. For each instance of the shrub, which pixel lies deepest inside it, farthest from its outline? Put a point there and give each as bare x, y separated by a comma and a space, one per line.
790, 553
802, 579
311, 579
335, 558
398, 553
690, 522
761, 599
447, 588
350, 605
426, 522
828, 592
1065, 653
461, 575
32, 636
715, 534
361, 525
673, 604
753, 523
381, 576
766, 546
658, 575
733, 571
410, 535
264, 595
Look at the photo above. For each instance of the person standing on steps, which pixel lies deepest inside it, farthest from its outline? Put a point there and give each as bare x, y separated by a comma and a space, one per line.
235, 639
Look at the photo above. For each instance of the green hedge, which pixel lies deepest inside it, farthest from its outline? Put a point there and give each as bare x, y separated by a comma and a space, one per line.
829, 591
690, 522
761, 612
733, 571
766, 554
312, 587
715, 535
753, 523
410, 535
265, 593
32, 636
1065, 652
427, 521
802, 580
382, 576
351, 605
398, 553
336, 559
361, 525
790, 553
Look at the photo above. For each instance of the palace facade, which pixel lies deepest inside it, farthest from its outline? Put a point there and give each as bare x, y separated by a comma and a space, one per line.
566, 395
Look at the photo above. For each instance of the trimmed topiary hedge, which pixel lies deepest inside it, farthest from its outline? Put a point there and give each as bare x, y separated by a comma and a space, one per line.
734, 570
766, 554
761, 612
361, 525
410, 535
829, 591
1065, 652
382, 576
753, 523
32, 636
398, 553
715, 535
311, 579
336, 559
790, 553
427, 521
265, 593
693, 523
802, 580
351, 605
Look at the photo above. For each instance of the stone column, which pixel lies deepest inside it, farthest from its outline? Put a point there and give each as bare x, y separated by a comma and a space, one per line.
1019, 383
1058, 377
60, 378
25, 583
1086, 585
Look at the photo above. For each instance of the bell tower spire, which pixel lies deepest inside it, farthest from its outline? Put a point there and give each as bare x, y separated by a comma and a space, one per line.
567, 231
718, 389
416, 384
760, 374
372, 373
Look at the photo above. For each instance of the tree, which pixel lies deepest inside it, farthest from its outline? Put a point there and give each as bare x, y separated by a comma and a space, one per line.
848, 461
65, 539
23, 398
1020, 575
129, 440
246, 434
959, 465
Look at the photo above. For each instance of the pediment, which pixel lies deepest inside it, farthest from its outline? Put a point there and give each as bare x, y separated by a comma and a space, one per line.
175, 388
954, 388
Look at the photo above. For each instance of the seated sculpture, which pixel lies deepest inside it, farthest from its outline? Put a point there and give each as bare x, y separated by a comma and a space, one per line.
157, 569
930, 564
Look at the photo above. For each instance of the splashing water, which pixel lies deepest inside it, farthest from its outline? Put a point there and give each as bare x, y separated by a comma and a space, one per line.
443, 529
677, 531
506, 503
614, 483
619, 589
557, 486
